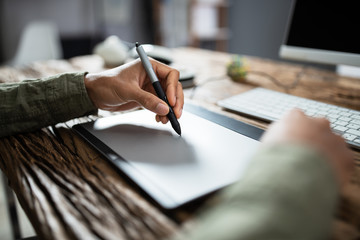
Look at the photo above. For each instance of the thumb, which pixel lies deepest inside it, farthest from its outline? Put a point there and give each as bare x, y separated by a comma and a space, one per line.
152, 103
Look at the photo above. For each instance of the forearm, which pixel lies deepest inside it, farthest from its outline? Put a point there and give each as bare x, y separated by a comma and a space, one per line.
33, 104
288, 193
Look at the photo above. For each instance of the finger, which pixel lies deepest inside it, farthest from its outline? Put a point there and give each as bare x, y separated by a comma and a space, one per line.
171, 86
164, 119
169, 78
163, 70
323, 122
151, 102
179, 101
296, 112
347, 160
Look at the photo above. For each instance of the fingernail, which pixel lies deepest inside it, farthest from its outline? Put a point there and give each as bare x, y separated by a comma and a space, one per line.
162, 109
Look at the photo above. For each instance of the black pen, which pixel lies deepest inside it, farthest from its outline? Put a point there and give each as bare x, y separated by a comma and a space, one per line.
157, 86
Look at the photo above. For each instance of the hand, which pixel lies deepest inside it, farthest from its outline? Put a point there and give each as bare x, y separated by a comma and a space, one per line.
128, 86
315, 132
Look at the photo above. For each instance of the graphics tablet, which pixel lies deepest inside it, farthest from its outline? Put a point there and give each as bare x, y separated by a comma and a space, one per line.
212, 152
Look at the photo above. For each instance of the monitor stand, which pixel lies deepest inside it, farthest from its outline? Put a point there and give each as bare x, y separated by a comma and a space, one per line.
348, 71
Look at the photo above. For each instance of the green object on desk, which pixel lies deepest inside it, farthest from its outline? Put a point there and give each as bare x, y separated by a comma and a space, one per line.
237, 69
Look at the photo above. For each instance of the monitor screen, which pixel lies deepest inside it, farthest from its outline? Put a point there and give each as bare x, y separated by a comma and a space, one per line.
323, 31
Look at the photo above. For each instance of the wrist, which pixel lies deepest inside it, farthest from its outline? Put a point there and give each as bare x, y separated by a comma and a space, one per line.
89, 86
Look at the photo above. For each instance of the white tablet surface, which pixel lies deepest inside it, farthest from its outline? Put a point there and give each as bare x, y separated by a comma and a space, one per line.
172, 169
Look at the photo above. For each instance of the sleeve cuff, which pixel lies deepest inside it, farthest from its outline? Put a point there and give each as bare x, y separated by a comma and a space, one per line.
67, 97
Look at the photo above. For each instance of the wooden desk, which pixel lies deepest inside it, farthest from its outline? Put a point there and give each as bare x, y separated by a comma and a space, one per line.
69, 191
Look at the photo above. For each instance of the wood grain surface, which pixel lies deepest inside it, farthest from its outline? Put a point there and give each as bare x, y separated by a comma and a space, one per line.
69, 191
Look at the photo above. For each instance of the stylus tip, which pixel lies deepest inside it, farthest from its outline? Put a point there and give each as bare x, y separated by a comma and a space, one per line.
178, 129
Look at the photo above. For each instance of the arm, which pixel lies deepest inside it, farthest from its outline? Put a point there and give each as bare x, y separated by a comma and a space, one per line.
290, 189
289, 192
34, 104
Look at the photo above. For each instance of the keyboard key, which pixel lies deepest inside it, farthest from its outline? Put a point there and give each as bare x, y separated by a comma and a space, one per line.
346, 119
355, 122
353, 131
341, 123
334, 111
345, 114
332, 120
353, 126
340, 128
333, 115
349, 137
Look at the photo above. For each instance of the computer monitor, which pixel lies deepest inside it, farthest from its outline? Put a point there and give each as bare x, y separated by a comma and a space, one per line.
323, 31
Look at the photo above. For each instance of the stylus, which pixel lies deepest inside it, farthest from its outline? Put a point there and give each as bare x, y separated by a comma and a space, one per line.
157, 86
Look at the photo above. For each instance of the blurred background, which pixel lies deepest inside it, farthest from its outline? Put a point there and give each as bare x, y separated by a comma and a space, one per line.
64, 29
249, 27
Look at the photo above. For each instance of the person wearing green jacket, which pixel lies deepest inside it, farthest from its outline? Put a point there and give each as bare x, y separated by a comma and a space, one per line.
289, 191
33, 104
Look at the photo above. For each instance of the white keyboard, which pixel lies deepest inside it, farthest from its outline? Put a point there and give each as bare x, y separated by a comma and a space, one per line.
270, 106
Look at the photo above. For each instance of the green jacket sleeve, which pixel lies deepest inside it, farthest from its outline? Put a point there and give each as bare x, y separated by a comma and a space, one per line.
33, 104
289, 192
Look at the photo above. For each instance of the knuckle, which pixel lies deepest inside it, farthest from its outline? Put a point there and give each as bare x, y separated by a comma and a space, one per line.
177, 73
179, 86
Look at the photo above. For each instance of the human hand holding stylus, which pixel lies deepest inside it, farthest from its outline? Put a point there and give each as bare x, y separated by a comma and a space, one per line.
157, 86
